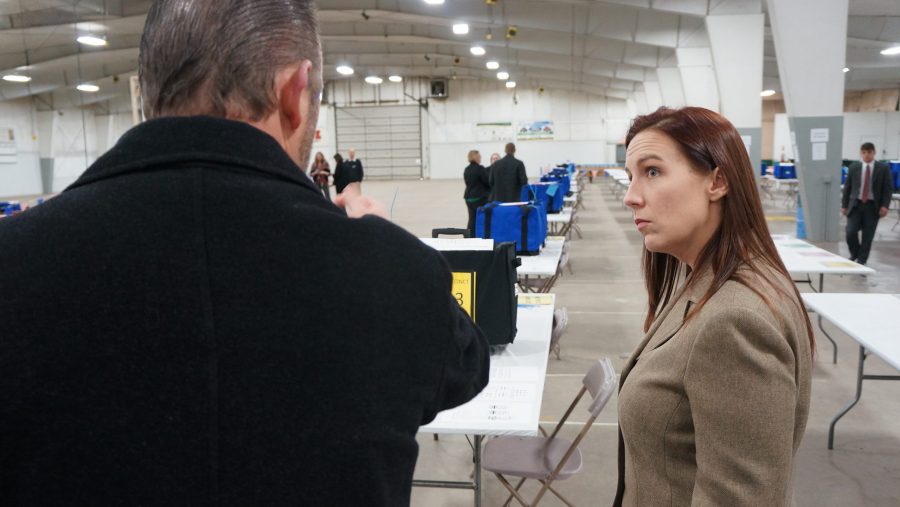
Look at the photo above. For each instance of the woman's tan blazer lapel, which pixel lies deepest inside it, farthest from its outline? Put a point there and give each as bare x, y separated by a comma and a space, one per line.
670, 320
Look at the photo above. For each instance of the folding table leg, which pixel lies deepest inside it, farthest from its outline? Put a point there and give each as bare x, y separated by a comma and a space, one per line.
860, 376
477, 458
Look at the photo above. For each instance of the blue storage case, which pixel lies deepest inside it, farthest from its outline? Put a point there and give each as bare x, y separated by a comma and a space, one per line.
844, 170
785, 171
564, 181
521, 223
895, 170
549, 193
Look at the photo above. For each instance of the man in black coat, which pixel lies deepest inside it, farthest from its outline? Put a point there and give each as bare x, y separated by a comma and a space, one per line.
508, 177
866, 198
168, 331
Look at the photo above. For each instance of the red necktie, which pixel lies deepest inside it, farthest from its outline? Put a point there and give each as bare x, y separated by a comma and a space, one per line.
865, 193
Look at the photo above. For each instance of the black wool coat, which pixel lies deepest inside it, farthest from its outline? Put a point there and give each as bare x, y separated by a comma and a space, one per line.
507, 179
477, 184
192, 324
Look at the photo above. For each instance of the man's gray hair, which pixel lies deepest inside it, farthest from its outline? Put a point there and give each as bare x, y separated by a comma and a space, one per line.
220, 57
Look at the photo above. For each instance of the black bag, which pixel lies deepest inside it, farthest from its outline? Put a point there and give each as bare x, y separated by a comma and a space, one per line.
494, 275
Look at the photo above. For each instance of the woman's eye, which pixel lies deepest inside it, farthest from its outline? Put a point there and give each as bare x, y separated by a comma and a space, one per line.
653, 172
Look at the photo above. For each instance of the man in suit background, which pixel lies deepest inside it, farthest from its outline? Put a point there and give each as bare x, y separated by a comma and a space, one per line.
507, 176
867, 195
354, 167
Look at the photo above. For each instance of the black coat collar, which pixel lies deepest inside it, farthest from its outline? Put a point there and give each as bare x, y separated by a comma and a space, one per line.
161, 143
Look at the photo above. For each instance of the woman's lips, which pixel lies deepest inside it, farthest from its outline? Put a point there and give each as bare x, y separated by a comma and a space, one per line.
641, 223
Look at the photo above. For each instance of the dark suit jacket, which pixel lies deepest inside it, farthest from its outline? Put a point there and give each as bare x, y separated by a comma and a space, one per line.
169, 335
882, 185
477, 184
507, 179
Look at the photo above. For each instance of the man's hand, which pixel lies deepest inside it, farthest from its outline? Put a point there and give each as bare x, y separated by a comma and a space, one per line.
883, 212
844, 211
357, 205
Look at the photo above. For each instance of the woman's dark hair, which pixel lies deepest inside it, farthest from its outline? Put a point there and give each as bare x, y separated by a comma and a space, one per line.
708, 140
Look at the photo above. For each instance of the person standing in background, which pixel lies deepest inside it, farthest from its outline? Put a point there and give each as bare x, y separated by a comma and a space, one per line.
341, 174
354, 167
478, 188
866, 198
494, 158
507, 177
320, 173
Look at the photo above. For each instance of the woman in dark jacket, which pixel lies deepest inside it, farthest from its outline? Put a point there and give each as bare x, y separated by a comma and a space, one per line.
477, 188
320, 173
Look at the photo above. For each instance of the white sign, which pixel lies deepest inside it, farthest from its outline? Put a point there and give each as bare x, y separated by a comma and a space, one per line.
818, 136
819, 150
748, 140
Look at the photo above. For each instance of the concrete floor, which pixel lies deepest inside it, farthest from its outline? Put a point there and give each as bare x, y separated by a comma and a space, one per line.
606, 301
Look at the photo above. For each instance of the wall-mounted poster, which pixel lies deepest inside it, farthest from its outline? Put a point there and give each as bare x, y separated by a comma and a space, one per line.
534, 131
7, 146
497, 131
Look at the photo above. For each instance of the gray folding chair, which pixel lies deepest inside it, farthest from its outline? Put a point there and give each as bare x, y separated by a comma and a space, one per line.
560, 323
565, 251
549, 458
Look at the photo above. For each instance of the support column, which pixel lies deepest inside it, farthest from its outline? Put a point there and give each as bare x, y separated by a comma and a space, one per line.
736, 41
44, 129
698, 78
654, 95
670, 86
811, 53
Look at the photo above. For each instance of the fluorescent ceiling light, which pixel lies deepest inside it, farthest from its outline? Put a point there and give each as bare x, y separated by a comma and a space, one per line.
460, 28
91, 40
846, 69
345, 70
16, 78
510, 84
395, 79
503, 76
477, 50
891, 51
767, 93
374, 80
434, 2
89, 88
492, 65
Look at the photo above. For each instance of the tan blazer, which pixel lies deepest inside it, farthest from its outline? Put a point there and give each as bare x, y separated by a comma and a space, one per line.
711, 412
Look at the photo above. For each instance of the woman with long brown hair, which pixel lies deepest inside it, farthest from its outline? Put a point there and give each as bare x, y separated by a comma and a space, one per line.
713, 402
320, 173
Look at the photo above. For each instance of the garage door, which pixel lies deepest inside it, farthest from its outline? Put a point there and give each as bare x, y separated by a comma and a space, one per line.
388, 139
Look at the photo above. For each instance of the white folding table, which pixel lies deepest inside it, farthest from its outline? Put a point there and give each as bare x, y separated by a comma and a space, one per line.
511, 402
544, 265
564, 218
864, 318
804, 259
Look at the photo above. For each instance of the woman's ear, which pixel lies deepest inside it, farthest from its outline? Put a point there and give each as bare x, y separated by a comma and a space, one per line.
718, 185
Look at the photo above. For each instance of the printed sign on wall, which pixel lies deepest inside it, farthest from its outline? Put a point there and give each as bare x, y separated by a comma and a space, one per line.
535, 131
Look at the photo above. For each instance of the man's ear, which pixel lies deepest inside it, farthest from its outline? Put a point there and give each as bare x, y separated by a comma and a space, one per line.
718, 185
291, 82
